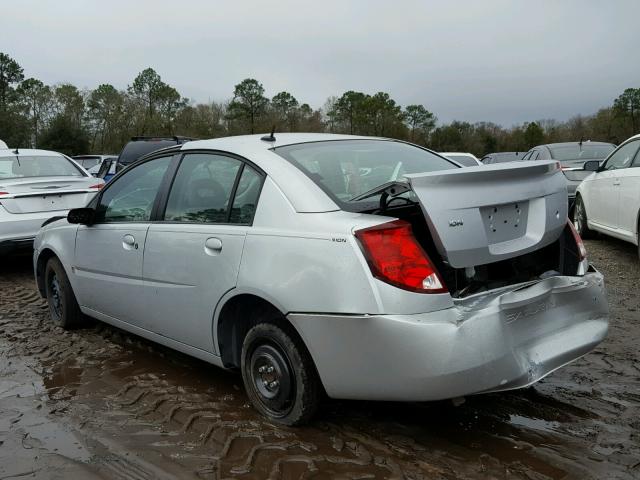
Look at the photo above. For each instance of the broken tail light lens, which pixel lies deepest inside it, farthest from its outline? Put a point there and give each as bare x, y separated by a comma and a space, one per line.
395, 257
582, 251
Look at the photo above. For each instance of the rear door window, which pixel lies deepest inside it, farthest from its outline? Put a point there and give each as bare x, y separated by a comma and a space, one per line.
246, 197
203, 188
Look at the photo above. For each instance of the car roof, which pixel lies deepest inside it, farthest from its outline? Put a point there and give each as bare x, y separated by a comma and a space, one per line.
458, 153
495, 154
29, 151
139, 147
255, 142
568, 144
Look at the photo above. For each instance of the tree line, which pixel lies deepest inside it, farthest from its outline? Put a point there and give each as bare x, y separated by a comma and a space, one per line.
65, 118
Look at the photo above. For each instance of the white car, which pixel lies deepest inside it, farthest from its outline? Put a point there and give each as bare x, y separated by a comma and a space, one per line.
608, 200
464, 159
36, 185
3, 145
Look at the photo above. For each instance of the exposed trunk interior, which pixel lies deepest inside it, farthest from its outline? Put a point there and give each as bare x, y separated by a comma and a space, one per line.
558, 258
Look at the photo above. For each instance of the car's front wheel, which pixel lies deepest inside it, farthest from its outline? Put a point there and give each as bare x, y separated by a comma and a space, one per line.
63, 305
580, 219
279, 375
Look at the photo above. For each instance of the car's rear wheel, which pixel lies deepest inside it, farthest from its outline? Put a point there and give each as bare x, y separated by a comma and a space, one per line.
63, 305
279, 375
580, 219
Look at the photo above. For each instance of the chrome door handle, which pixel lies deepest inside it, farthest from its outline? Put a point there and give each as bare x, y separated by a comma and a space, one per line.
129, 242
213, 246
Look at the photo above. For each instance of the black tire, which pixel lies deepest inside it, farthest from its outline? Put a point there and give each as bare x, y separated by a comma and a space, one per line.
580, 219
290, 392
63, 305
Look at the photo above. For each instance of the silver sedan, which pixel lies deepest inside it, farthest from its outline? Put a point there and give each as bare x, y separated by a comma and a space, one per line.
34, 186
363, 267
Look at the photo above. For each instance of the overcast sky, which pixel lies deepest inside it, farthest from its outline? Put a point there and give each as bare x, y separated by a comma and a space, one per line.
494, 60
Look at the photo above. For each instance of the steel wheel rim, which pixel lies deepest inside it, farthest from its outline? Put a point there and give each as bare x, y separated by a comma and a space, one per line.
272, 379
56, 295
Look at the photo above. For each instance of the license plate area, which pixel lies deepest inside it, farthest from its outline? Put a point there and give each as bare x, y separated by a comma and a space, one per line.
505, 222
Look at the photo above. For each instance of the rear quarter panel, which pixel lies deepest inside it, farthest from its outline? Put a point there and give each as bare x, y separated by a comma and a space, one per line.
303, 261
311, 262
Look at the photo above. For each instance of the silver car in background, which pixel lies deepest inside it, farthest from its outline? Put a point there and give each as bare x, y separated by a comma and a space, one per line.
463, 158
363, 267
572, 156
36, 185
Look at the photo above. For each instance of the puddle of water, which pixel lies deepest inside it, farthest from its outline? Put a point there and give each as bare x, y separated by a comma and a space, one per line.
534, 423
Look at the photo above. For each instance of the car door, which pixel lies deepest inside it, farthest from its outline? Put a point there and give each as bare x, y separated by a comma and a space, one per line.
629, 198
193, 255
604, 191
109, 253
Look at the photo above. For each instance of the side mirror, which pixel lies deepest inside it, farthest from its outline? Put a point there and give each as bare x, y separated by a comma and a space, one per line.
591, 165
83, 216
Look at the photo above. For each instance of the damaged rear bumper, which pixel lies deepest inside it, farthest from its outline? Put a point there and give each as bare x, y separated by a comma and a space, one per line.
500, 340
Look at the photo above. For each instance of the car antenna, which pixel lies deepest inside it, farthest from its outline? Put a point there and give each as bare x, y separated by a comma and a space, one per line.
16, 153
270, 137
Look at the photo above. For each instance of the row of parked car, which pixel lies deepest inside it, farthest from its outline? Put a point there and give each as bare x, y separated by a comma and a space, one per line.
364, 268
571, 155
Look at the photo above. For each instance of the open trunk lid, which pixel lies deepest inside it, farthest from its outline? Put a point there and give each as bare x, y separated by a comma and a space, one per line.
479, 215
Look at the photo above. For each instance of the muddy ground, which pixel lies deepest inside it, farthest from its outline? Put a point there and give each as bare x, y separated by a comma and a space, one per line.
101, 403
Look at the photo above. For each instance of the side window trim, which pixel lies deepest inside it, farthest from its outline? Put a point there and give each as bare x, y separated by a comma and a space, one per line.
160, 204
164, 198
234, 189
635, 162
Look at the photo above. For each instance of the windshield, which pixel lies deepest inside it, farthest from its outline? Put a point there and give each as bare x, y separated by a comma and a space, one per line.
21, 166
345, 169
583, 153
465, 160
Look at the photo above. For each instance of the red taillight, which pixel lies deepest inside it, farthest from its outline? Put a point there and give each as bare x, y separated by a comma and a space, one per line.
395, 257
4, 193
97, 186
582, 251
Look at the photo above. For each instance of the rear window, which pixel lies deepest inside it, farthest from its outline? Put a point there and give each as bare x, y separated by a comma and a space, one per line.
132, 151
87, 162
465, 160
345, 169
21, 166
584, 152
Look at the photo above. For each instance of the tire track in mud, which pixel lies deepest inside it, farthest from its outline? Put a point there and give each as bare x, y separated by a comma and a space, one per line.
153, 413
214, 434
